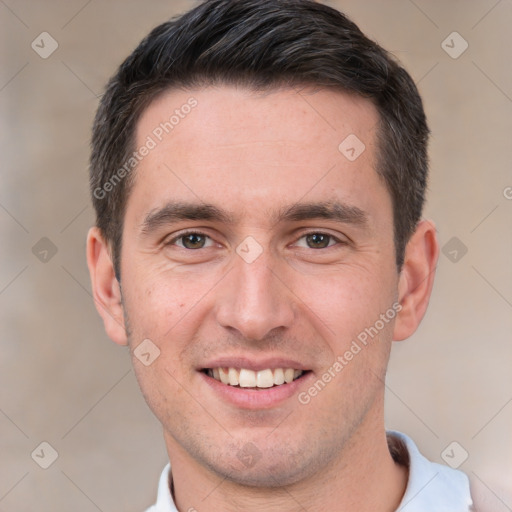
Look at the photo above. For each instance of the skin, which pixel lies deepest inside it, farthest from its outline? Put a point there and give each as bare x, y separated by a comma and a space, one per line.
252, 154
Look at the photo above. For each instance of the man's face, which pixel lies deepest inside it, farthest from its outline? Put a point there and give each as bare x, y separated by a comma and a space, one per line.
261, 279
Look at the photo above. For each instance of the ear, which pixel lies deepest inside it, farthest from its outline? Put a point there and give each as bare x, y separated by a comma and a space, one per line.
416, 279
105, 287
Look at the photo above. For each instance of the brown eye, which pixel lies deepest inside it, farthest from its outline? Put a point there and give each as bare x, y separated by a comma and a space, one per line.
318, 240
191, 240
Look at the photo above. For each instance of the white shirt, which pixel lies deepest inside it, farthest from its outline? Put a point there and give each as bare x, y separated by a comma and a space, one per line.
431, 487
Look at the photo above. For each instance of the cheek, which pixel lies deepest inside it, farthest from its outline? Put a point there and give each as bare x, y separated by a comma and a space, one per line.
160, 387
345, 302
158, 303
168, 311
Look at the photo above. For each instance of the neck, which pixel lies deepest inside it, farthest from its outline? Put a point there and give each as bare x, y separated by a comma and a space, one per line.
362, 478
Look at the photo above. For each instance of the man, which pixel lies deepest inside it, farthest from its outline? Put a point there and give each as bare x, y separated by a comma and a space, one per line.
258, 172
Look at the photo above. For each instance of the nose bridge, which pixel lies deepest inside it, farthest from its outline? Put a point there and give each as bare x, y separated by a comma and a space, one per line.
254, 301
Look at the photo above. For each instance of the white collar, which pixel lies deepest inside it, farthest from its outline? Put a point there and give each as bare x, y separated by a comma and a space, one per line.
432, 486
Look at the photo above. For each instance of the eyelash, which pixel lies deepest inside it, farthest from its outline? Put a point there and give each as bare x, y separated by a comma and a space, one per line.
195, 232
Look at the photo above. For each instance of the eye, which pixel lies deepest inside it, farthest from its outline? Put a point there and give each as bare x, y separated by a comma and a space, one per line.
191, 240
318, 240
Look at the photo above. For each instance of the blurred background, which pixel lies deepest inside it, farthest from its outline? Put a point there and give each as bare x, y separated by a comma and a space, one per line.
65, 384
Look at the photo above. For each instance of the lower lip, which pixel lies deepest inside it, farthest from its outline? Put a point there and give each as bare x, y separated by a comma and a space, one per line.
265, 398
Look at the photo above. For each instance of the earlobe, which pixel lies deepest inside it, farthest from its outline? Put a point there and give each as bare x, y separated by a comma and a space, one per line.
105, 287
416, 279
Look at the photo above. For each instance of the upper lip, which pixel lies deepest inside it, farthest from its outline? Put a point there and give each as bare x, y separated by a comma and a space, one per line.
254, 364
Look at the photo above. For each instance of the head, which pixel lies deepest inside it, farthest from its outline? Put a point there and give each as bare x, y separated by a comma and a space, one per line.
241, 233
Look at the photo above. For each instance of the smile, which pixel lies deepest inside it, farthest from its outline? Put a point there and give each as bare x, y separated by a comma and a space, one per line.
261, 379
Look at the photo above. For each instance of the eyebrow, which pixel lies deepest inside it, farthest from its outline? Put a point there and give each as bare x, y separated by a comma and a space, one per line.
330, 210
177, 211
174, 212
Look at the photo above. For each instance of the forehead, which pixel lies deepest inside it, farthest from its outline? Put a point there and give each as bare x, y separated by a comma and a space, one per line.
227, 145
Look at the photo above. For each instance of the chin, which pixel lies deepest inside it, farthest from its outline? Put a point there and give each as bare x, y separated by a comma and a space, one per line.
269, 468
263, 476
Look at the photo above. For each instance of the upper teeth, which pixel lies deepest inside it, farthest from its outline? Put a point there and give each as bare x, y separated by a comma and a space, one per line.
251, 379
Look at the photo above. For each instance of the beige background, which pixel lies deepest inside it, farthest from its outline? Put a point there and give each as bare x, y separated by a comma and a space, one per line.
62, 381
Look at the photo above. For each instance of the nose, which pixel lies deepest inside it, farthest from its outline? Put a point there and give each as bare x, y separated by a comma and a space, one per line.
255, 299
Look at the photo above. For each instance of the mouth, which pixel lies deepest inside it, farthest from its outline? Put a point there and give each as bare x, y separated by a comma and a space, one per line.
255, 380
